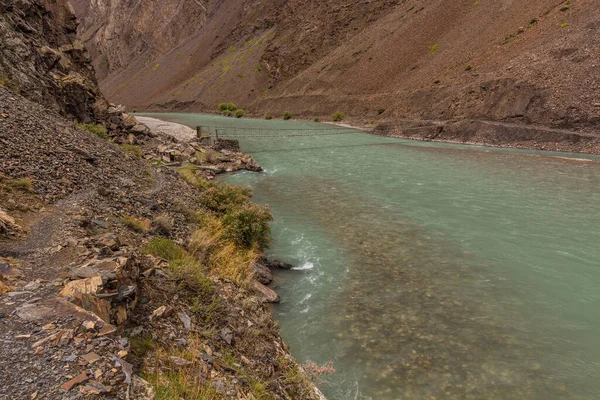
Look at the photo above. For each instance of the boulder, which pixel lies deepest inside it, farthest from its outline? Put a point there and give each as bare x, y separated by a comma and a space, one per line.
139, 128
128, 121
8, 225
268, 295
262, 273
82, 286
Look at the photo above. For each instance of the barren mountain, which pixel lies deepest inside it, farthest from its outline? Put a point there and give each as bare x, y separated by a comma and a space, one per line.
532, 62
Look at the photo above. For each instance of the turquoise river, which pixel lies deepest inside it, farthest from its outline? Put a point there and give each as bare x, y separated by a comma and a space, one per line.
429, 270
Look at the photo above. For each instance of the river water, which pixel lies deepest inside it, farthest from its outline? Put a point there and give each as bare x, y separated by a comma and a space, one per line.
428, 270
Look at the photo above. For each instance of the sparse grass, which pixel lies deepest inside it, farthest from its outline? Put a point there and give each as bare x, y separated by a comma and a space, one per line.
468, 67
140, 346
338, 116
564, 24
180, 385
166, 249
162, 225
133, 149
433, 48
97, 130
268, 117
287, 115
239, 113
24, 184
188, 173
136, 224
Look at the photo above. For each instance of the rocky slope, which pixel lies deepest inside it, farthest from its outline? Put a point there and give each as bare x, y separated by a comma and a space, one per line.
124, 272
42, 59
529, 63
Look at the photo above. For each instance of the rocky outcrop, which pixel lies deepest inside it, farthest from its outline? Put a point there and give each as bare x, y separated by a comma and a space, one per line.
42, 59
7, 225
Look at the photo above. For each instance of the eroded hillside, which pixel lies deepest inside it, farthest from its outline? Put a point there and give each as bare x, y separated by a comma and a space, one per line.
522, 62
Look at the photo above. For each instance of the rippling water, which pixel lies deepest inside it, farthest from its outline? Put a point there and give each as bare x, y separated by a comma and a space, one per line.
432, 270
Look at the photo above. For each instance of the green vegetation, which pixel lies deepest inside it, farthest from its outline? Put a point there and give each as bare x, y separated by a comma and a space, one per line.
24, 184
155, 67
97, 130
162, 225
223, 198
268, 117
133, 149
287, 115
248, 226
468, 67
316, 119
239, 113
178, 385
565, 8
564, 24
227, 107
433, 48
437, 81
166, 249
140, 346
136, 224
380, 111
338, 116
227, 113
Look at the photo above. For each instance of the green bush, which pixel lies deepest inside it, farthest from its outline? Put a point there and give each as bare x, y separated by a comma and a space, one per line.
97, 130
316, 119
381, 111
268, 117
227, 113
227, 107
338, 116
165, 248
239, 113
248, 226
287, 115
223, 198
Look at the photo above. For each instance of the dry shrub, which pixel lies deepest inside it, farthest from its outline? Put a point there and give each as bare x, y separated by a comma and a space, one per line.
222, 257
136, 224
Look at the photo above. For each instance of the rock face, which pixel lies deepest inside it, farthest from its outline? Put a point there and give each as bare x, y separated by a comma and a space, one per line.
42, 60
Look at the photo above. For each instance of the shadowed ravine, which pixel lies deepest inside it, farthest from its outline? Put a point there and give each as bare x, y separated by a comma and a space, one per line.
430, 270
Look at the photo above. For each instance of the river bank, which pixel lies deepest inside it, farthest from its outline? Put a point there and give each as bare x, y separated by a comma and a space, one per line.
123, 271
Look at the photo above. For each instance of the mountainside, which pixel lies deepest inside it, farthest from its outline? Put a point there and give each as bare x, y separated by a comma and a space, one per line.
42, 59
530, 62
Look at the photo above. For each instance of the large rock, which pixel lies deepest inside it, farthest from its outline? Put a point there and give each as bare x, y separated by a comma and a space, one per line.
268, 295
262, 273
8, 225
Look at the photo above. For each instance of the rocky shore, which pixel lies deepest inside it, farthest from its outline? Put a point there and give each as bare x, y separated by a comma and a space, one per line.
111, 285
